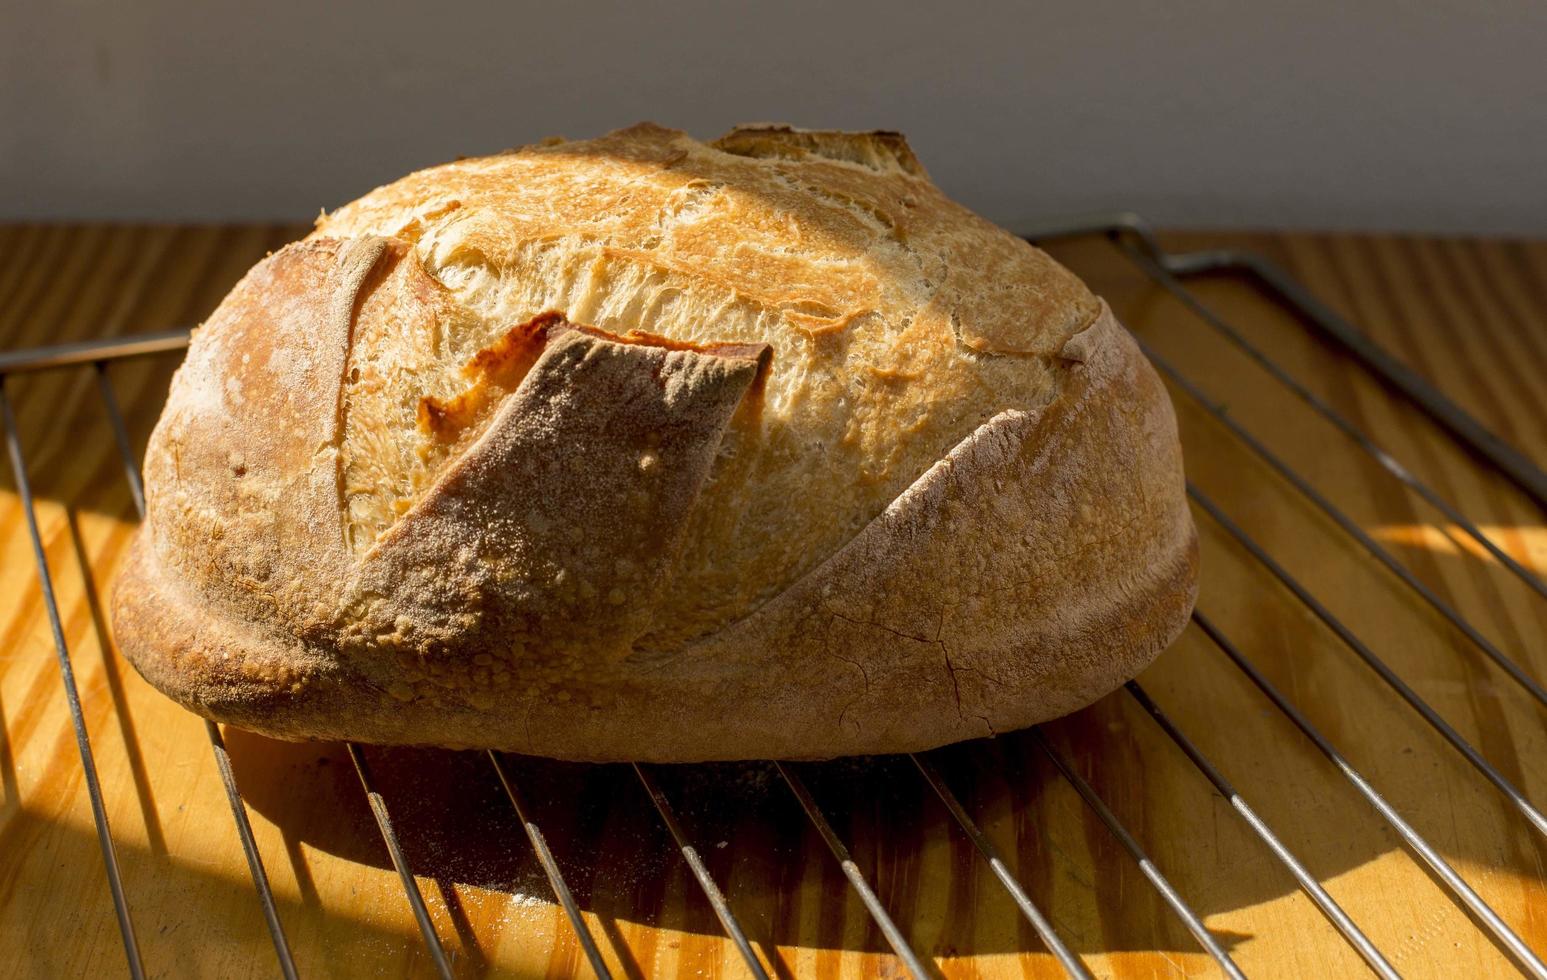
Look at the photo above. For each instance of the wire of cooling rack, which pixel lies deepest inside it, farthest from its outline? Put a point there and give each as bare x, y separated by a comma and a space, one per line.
1134, 237
1039, 921
1349, 526
706, 883
1328, 906
851, 871
1147, 866
1457, 886
1375, 663
400, 862
71, 692
551, 868
1357, 436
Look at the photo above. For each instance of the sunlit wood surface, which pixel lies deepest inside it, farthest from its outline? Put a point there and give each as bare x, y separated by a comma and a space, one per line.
1470, 315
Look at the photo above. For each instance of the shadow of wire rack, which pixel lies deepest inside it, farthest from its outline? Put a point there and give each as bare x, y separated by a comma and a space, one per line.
1168, 271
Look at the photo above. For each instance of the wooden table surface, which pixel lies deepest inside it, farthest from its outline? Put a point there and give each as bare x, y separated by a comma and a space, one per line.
1471, 315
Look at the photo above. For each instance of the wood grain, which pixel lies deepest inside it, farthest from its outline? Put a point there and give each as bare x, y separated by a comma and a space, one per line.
1468, 314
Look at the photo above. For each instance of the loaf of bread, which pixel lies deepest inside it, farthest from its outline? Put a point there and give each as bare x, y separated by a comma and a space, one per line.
645, 448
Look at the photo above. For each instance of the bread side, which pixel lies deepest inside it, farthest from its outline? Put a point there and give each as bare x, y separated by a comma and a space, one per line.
1015, 581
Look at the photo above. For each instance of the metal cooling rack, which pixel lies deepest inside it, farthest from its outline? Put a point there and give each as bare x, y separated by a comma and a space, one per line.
1135, 238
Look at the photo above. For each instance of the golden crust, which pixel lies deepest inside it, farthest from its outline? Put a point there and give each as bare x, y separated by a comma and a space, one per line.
898, 321
952, 504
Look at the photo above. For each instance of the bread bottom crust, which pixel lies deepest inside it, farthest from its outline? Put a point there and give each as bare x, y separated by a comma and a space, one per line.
285, 691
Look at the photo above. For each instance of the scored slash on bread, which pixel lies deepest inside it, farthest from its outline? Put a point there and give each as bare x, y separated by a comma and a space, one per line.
804, 484
497, 370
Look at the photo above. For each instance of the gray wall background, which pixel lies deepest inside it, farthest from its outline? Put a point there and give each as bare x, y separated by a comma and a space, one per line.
1388, 114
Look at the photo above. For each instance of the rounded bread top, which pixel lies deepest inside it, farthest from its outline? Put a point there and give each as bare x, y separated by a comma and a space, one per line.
898, 323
